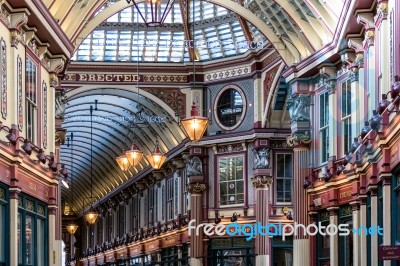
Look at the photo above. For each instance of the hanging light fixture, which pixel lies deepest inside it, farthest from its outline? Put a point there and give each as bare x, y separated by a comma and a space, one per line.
71, 228
133, 156
92, 215
157, 158
123, 162
195, 126
157, 11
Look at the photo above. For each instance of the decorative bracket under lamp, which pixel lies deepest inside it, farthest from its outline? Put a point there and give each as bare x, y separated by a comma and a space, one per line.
71, 228
196, 125
157, 158
123, 162
134, 155
91, 216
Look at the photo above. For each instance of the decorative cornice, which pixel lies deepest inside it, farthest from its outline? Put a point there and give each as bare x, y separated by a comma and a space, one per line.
196, 188
262, 181
299, 137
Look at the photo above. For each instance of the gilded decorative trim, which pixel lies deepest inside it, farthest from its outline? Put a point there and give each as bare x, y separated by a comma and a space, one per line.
30, 206
228, 73
262, 181
40, 210
44, 86
19, 91
196, 188
3, 77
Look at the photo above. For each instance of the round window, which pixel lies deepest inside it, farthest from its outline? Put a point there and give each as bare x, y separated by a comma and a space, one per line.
230, 108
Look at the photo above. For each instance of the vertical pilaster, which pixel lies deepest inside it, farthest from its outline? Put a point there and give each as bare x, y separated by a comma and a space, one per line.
363, 237
356, 238
196, 241
179, 247
374, 222
334, 239
301, 242
313, 241
14, 225
52, 230
262, 185
387, 213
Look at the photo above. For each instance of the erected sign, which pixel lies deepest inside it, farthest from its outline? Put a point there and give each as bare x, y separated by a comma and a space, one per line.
389, 253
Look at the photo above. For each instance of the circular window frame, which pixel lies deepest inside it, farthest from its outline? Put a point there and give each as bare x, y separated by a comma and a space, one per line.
217, 98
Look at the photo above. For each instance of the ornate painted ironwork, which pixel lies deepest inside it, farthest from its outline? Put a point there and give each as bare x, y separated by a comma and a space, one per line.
3, 77
44, 86
19, 90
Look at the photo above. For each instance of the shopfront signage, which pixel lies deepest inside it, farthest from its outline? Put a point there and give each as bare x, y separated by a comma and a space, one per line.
389, 253
345, 194
153, 245
136, 250
168, 242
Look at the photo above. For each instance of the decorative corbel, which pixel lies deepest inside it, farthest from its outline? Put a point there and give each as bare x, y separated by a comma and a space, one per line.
30, 34
56, 64
356, 45
381, 11
4, 15
367, 19
17, 21
54, 81
178, 163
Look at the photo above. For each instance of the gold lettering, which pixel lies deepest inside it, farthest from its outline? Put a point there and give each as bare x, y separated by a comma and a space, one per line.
345, 194
32, 186
109, 77
119, 77
92, 77
100, 77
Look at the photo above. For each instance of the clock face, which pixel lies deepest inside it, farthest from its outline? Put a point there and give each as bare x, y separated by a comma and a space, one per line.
230, 108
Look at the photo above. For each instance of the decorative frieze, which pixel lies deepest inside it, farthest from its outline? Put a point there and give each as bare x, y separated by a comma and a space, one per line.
174, 98
61, 99
3, 77
196, 188
44, 88
230, 148
262, 181
227, 73
19, 93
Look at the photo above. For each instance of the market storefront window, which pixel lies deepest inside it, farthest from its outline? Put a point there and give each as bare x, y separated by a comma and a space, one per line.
346, 242
4, 231
323, 241
231, 252
32, 232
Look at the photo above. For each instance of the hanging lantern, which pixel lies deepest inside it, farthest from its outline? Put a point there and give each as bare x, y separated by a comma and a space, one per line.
123, 162
157, 158
71, 228
91, 216
156, 11
134, 155
196, 125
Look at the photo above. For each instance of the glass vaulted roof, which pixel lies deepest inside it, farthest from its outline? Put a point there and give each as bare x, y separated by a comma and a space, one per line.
125, 37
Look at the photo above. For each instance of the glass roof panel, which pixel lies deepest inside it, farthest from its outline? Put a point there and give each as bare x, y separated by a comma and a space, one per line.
113, 41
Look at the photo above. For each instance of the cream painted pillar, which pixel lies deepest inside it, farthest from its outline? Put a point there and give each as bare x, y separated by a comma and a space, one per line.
196, 208
54, 257
179, 254
301, 243
387, 213
374, 222
333, 240
262, 185
14, 225
363, 237
356, 238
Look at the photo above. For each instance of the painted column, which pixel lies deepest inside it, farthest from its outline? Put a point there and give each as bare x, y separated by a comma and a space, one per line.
313, 240
356, 238
52, 229
262, 185
179, 254
14, 192
387, 213
333, 240
196, 208
299, 111
374, 222
363, 237
301, 243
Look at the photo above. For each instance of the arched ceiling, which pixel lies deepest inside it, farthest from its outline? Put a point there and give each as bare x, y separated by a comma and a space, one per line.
296, 28
112, 131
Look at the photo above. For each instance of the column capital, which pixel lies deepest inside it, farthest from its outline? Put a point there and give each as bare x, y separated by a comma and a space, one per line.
333, 211
52, 209
14, 192
262, 181
355, 205
196, 188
